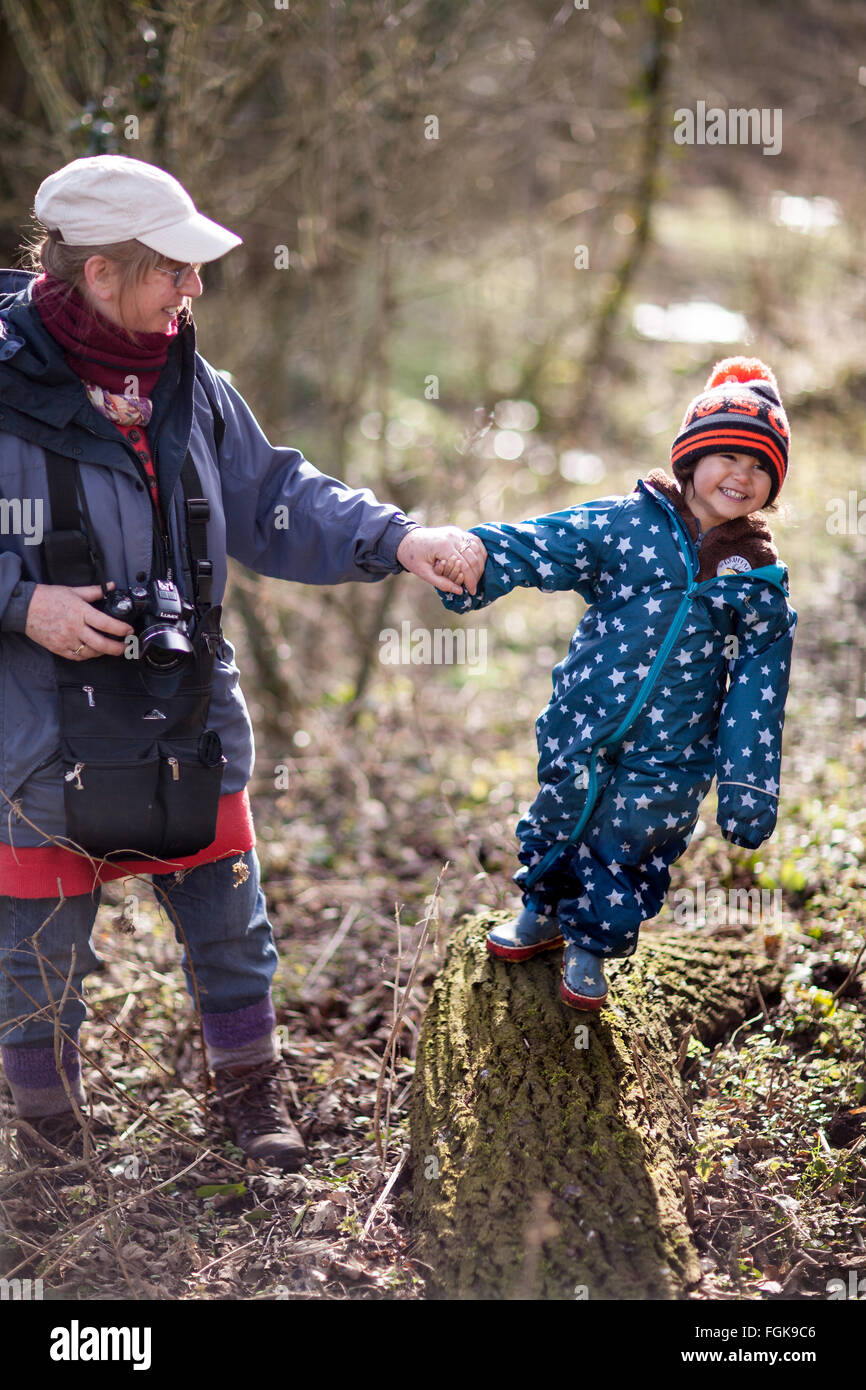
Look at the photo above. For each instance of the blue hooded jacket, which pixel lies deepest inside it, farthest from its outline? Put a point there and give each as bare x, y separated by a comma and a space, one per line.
334, 533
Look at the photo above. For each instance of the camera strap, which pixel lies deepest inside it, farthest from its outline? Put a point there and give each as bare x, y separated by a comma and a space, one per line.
197, 517
71, 555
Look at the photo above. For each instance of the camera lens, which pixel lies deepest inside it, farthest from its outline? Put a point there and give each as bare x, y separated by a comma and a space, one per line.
165, 648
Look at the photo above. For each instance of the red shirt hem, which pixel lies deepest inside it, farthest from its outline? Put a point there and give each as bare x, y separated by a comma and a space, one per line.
35, 873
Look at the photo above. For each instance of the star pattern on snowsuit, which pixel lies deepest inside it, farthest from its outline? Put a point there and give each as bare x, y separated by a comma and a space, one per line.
706, 711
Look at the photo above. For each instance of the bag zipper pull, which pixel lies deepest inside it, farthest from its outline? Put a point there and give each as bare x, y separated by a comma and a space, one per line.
175, 768
88, 690
75, 776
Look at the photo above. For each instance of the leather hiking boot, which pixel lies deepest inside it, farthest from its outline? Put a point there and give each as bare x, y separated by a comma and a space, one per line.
524, 936
583, 983
54, 1141
252, 1102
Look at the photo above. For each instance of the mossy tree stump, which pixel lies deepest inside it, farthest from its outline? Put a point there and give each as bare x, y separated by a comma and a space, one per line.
548, 1144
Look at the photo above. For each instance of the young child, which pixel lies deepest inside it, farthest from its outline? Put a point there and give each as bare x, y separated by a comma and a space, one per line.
678, 670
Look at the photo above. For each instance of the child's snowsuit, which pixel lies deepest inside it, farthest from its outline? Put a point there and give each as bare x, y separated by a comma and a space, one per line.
640, 717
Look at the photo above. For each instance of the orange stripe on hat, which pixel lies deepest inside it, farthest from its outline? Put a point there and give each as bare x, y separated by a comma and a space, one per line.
749, 438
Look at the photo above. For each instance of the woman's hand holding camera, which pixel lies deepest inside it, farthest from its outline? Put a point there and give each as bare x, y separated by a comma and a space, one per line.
65, 621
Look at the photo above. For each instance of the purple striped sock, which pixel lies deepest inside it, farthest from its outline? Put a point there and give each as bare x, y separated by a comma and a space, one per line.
242, 1037
35, 1081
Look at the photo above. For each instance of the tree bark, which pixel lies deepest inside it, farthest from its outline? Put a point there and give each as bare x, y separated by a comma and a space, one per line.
549, 1144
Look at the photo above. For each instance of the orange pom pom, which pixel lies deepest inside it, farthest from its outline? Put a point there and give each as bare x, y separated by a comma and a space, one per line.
741, 369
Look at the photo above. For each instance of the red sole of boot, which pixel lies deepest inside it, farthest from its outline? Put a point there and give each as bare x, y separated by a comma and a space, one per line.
581, 1001
523, 952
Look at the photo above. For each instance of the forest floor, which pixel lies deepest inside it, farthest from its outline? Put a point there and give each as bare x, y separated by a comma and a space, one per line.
374, 809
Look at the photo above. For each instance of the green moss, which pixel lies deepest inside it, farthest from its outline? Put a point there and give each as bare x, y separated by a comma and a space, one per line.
497, 1048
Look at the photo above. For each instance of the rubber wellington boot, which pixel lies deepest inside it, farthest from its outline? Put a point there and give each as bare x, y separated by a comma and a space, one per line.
524, 936
583, 984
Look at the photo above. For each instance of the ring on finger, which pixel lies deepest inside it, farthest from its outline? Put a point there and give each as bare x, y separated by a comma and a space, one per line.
79, 649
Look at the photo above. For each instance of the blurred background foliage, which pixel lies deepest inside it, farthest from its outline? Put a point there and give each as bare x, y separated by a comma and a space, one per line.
480, 276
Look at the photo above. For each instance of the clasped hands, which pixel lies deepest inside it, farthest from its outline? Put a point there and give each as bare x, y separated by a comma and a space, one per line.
65, 621
444, 556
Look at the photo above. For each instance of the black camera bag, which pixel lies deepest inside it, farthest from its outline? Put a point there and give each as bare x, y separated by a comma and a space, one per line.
142, 770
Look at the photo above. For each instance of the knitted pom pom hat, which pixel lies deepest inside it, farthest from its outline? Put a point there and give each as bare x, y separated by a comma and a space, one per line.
739, 411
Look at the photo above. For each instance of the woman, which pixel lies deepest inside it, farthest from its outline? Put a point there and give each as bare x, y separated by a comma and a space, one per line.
123, 731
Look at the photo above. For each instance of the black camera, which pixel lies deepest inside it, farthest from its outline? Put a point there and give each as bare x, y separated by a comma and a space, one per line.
160, 619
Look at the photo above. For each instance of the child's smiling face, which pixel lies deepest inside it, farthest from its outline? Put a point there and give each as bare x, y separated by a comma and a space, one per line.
727, 485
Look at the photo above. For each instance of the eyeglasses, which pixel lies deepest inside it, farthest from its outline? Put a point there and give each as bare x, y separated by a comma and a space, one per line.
178, 276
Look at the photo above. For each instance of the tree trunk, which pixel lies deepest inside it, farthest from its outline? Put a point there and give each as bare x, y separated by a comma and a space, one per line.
548, 1144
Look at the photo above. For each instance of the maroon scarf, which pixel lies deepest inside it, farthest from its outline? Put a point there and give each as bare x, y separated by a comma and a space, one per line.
96, 349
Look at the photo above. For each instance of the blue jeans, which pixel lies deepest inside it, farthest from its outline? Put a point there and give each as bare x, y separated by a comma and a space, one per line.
228, 936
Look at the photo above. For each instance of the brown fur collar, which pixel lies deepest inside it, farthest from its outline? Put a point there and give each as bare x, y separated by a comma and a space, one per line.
749, 536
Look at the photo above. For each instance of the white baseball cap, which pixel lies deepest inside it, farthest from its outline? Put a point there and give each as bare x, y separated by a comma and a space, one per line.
106, 198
